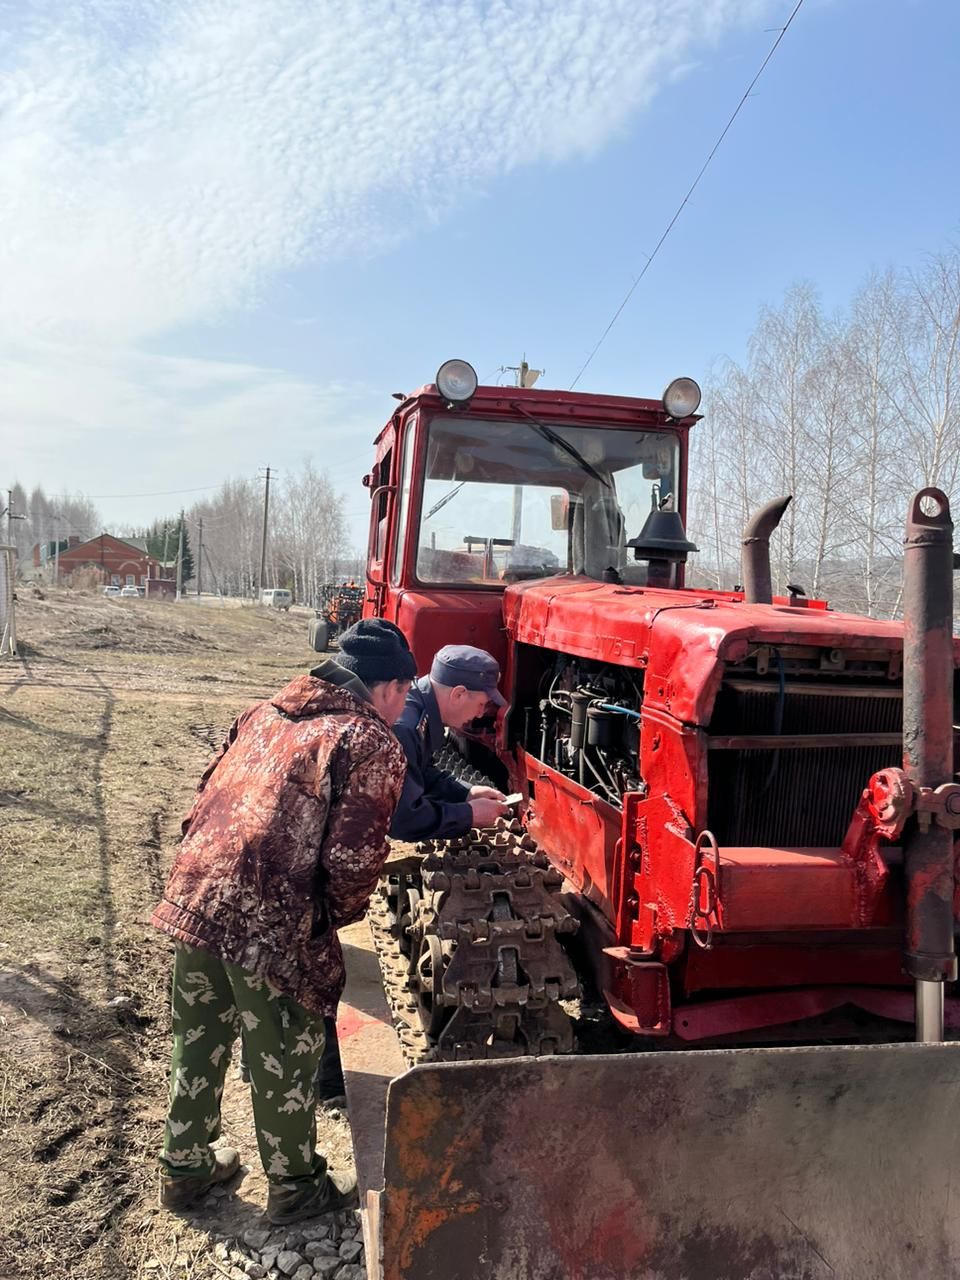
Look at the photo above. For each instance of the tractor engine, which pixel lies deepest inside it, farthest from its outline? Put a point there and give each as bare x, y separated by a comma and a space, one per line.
770, 710
585, 723
700, 798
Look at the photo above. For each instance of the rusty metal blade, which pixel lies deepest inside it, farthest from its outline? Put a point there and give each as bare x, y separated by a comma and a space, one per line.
748, 1164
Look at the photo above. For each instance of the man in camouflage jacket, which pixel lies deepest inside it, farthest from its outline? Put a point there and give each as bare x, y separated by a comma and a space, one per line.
282, 847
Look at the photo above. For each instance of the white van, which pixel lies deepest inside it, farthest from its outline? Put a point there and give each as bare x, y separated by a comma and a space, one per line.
276, 599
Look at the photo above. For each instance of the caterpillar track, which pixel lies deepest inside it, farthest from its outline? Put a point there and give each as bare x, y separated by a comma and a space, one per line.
468, 933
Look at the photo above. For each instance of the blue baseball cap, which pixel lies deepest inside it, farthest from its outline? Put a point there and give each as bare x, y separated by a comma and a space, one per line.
474, 668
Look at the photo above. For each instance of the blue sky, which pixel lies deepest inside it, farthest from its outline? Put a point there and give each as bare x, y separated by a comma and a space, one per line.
231, 229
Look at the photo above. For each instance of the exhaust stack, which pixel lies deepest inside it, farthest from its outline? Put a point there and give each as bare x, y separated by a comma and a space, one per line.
928, 750
755, 558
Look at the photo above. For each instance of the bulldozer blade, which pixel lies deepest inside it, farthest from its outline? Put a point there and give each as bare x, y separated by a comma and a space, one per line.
749, 1164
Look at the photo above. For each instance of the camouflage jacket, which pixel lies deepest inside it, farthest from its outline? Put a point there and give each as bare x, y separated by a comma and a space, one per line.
287, 837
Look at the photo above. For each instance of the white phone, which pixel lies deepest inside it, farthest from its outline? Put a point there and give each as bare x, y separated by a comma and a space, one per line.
516, 798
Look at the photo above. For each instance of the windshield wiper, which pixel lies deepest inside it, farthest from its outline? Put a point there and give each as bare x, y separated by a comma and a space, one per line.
548, 433
447, 497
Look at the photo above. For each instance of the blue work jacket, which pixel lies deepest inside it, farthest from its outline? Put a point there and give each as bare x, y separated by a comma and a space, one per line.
433, 803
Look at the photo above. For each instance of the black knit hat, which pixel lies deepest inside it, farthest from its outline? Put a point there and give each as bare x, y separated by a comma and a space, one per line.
375, 650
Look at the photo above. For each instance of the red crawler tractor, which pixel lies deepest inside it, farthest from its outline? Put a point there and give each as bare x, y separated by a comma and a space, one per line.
737, 829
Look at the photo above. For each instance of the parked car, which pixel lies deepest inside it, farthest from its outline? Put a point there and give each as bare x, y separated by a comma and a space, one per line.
275, 598
129, 593
111, 591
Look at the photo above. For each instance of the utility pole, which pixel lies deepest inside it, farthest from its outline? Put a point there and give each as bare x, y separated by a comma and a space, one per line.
213, 574
263, 535
526, 377
200, 555
180, 559
56, 549
10, 517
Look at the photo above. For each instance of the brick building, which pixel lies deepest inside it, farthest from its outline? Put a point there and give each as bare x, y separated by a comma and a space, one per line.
44, 553
119, 561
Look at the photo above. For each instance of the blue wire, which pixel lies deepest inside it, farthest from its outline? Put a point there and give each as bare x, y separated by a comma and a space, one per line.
624, 711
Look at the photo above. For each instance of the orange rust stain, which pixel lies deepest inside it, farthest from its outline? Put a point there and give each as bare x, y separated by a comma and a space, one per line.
414, 1223
411, 1132
414, 1128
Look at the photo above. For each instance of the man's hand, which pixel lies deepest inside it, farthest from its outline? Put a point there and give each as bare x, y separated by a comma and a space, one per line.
486, 810
486, 793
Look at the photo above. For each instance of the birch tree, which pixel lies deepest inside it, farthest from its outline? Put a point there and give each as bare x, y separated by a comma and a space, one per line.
928, 395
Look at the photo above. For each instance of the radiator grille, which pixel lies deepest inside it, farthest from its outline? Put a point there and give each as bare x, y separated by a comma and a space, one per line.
798, 797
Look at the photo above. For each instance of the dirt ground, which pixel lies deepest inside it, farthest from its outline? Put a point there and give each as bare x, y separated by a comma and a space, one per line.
106, 722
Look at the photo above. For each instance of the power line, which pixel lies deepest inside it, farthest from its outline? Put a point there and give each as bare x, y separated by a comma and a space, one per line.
166, 493
226, 518
683, 202
59, 515
205, 488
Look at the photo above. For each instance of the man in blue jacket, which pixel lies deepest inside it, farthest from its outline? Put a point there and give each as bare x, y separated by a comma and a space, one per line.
433, 804
461, 685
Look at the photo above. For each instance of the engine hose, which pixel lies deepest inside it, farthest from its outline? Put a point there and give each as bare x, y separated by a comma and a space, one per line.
624, 711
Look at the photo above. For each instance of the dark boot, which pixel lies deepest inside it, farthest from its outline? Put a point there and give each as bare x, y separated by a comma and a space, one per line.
330, 1090
181, 1192
287, 1204
335, 1105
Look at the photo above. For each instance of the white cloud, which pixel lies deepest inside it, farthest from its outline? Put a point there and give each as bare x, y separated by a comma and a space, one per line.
111, 422
162, 158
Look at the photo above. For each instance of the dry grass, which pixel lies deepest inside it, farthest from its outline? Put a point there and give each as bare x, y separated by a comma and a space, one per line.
105, 724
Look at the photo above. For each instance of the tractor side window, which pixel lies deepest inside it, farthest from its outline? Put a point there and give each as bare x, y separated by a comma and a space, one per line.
403, 499
381, 520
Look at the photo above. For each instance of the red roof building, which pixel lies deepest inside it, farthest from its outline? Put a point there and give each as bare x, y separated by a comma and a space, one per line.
118, 562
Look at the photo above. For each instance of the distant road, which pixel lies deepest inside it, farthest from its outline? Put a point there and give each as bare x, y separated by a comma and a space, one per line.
235, 602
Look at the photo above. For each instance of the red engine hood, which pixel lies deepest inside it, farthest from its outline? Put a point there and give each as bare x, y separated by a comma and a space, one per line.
681, 638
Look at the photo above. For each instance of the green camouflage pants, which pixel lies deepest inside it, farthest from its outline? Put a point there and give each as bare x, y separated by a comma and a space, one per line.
212, 1002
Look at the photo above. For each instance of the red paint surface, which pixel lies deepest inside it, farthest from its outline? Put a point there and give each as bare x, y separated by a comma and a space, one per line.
582, 829
774, 1009
753, 960
771, 889
617, 1242
431, 619
350, 1021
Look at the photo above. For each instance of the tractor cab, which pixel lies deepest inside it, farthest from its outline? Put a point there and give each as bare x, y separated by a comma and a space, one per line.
475, 488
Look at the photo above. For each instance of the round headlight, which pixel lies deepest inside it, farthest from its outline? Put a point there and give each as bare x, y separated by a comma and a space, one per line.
456, 381
681, 398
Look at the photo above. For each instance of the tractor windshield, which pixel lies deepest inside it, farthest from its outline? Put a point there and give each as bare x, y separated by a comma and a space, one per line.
504, 501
